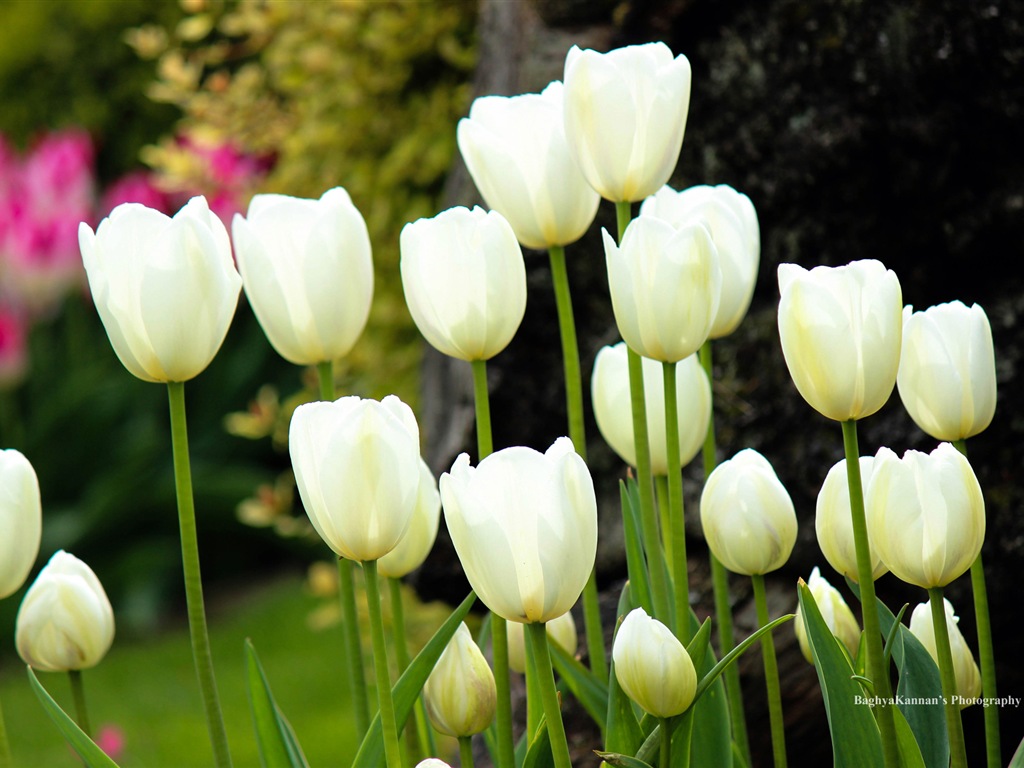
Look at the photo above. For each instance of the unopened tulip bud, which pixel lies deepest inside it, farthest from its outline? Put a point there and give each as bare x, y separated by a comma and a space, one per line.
460, 693
21, 520
432, 762
836, 613
652, 666
834, 526
925, 514
947, 375
747, 515
561, 631
65, 621
968, 678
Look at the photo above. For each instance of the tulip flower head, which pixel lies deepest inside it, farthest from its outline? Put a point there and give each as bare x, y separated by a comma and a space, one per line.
731, 220
836, 613
65, 621
561, 630
465, 281
947, 373
357, 468
21, 520
516, 152
308, 273
841, 329
524, 525
665, 285
834, 526
610, 395
432, 762
652, 666
412, 549
460, 693
165, 288
968, 678
747, 515
625, 116
925, 514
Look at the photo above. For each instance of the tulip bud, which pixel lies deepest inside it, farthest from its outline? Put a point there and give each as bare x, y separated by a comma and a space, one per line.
465, 281
308, 273
561, 630
516, 152
65, 621
947, 374
610, 395
747, 515
21, 520
732, 222
357, 468
524, 525
968, 678
925, 514
836, 613
415, 545
625, 115
834, 525
460, 693
165, 288
652, 666
841, 329
665, 285
432, 762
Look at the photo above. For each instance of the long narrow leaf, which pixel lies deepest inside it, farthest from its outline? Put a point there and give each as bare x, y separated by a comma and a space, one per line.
589, 691
278, 746
539, 754
622, 761
711, 719
636, 564
622, 730
709, 679
405, 691
91, 755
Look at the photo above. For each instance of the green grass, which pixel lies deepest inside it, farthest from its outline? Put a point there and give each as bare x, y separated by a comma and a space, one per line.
148, 688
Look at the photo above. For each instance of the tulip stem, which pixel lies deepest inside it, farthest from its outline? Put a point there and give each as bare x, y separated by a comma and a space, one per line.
676, 512
465, 752
201, 653
665, 753
648, 517
423, 733
985, 651
954, 726
549, 695
720, 582
78, 697
623, 215
5, 745
352, 647
771, 674
386, 703
482, 400
577, 433
869, 612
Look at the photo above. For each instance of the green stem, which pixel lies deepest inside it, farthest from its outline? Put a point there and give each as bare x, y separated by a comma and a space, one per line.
193, 579
499, 630
5, 745
466, 752
623, 214
577, 433
665, 753
425, 745
482, 400
549, 695
534, 706
771, 674
664, 519
677, 522
985, 652
78, 697
869, 612
389, 725
720, 582
954, 726
352, 647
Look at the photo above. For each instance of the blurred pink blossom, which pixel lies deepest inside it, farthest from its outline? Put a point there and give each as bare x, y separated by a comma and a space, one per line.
111, 740
232, 175
136, 187
13, 347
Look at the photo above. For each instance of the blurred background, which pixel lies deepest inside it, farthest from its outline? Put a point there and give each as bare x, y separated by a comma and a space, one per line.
887, 130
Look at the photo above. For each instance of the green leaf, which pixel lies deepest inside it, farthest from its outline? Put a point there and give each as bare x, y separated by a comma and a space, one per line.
622, 761
539, 754
636, 565
407, 689
708, 680
1017, 761
91, 755
278, 746
711, 717
584, 684
856, 742
910, 752
622, 730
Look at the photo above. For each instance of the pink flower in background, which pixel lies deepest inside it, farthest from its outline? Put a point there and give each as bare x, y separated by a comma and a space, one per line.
111, 740
136, 187
58, 176
232, 175
13, 347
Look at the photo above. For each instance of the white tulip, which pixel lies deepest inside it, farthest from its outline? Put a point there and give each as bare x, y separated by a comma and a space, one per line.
834, 611
460, 693
652, 666
165, 288
561, 630
307, 271
965, 669
21, 520
833, 523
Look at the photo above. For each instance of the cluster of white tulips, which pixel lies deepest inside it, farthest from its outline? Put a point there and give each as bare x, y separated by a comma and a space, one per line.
524, 523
